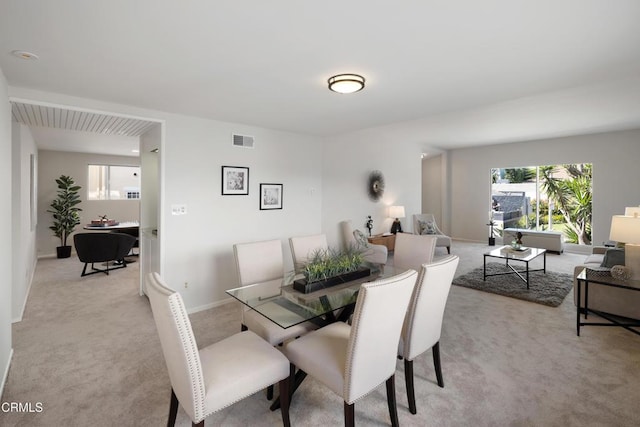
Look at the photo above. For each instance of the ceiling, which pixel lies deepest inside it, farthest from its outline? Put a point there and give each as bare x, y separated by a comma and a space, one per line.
65, 129
444, 73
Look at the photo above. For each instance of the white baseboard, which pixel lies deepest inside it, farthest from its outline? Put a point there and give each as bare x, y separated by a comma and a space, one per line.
208, 306
6, 373
26, 296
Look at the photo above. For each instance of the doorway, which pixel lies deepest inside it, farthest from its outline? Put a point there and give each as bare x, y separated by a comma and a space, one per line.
69, 132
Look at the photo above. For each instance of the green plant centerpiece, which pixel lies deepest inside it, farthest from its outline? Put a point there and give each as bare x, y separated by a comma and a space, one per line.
330, 267
65, 213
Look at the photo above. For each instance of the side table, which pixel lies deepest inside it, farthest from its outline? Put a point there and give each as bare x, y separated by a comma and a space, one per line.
388, 240
584, 279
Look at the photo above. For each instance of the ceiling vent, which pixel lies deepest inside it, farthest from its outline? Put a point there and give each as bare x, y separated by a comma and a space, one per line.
242, 141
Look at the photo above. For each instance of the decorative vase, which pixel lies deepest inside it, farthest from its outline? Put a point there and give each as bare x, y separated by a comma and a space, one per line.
63, 251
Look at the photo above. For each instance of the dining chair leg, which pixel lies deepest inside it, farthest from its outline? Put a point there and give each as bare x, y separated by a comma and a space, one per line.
436, 362
408, 379
349, 415
391, 401
285, 401
270, 392
200, 424
173, 409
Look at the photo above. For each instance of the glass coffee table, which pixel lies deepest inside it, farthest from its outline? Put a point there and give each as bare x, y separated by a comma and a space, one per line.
525, 255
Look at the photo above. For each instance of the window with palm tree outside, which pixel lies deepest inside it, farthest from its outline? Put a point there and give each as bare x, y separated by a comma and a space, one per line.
552, 197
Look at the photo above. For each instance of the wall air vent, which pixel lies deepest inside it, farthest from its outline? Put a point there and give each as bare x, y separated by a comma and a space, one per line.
242, 141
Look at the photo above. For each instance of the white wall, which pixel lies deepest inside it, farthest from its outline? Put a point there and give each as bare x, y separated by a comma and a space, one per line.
197, 247
614, 156
347, 162
52, 164
432, 200
5, 230
24, 236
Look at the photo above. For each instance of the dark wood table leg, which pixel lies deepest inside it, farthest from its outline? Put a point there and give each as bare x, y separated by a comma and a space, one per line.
484, 268
299, 377
578, 309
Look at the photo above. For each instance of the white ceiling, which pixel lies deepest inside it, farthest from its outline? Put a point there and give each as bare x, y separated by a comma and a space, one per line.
65, 129
444, 73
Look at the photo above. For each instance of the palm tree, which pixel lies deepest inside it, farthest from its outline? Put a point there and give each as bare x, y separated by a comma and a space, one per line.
572, 197
519, 175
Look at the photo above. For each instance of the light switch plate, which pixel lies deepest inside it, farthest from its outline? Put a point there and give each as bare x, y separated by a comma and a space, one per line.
178, 209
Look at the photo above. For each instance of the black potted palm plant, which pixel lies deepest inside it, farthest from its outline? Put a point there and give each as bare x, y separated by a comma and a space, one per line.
65, 213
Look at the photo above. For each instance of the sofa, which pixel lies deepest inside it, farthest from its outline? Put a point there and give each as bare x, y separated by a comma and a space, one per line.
549, 240
616, 301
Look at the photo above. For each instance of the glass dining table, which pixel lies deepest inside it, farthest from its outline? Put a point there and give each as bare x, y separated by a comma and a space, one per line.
279, 302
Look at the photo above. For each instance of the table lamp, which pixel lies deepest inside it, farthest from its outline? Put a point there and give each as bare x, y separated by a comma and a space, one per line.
626, 229
631, 210
396, 212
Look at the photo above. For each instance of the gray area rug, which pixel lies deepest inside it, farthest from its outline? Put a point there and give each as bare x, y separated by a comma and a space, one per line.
548, 289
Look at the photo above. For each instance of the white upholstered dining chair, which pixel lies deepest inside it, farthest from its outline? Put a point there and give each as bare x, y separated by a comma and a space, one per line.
207, 380
302, 247
262, 262
413, 250
354, 360
423, 323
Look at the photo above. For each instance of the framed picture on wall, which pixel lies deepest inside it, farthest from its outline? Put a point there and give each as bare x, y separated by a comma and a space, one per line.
270, 196
235, 180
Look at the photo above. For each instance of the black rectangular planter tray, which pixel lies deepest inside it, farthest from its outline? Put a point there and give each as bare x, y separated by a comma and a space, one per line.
301, 285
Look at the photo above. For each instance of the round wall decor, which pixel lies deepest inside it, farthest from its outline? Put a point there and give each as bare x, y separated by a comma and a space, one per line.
375, 185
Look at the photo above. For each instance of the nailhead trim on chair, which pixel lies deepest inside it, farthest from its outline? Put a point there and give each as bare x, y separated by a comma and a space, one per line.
356, 314
195, 368
413, 302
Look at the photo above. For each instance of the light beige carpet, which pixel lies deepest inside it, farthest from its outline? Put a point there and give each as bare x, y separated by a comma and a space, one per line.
88, 350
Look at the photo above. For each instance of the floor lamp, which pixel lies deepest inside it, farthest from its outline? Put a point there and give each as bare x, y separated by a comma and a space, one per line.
626, 228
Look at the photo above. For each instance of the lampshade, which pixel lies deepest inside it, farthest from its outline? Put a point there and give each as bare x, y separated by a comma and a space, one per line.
625, 229
346, 83
396, 211
632, 210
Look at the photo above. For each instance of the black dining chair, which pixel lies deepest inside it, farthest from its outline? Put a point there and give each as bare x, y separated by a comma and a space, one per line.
104, 248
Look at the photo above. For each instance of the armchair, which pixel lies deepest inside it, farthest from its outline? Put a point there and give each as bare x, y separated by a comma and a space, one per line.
426, 224
375, 254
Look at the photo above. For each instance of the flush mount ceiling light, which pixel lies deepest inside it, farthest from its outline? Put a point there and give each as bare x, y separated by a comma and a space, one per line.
23, 54
346, 83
